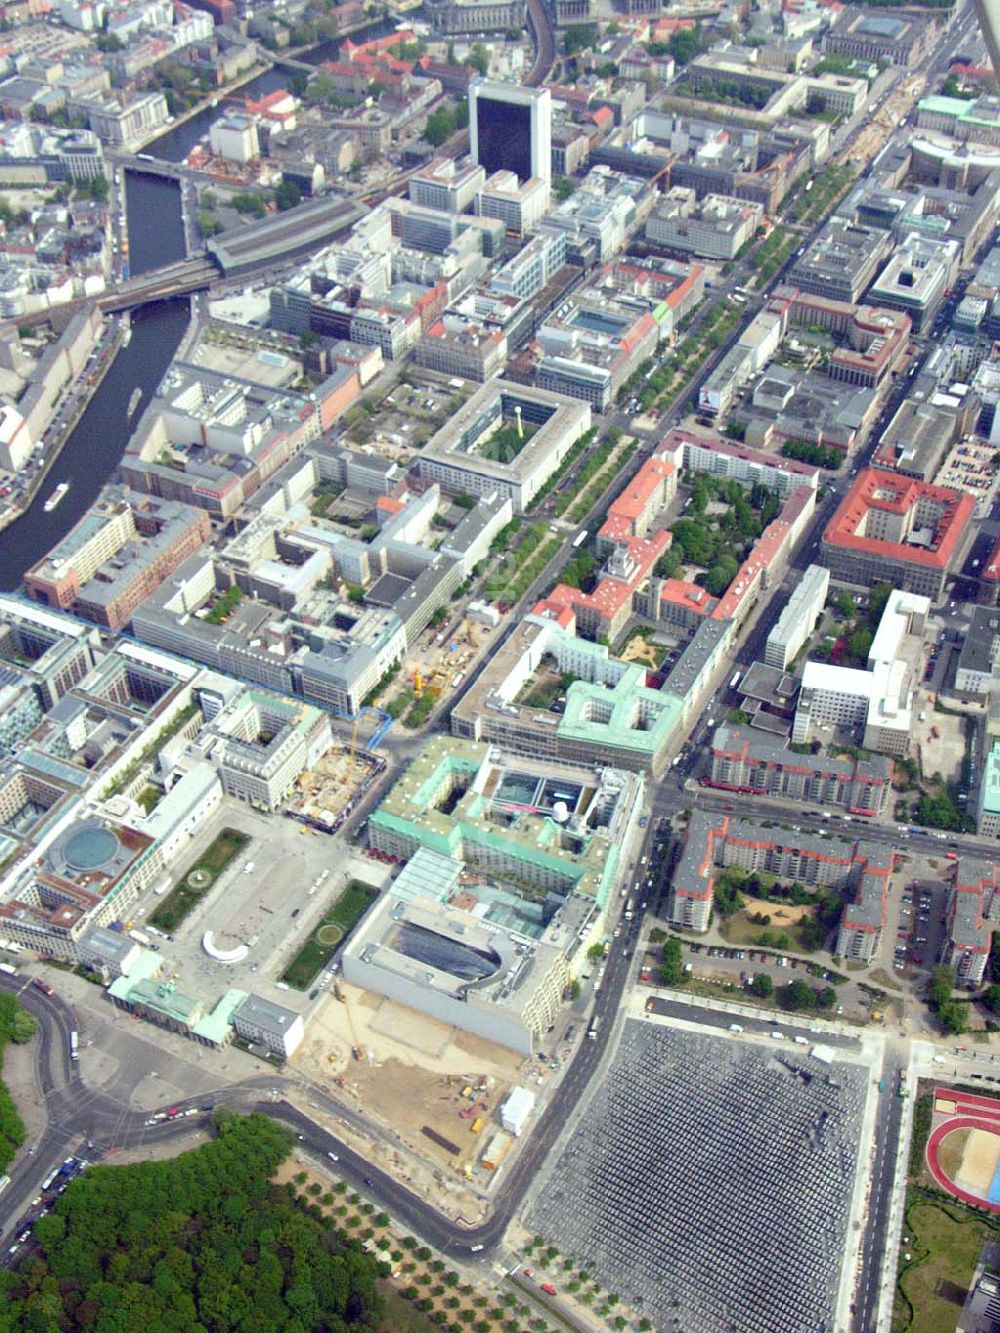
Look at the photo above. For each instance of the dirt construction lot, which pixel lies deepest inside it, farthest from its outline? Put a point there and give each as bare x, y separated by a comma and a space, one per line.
414, 1071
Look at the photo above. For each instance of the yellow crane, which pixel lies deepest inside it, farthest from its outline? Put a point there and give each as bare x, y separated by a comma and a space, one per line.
357, 1050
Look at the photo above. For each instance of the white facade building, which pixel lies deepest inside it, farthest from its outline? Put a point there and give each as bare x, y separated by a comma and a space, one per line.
798, 620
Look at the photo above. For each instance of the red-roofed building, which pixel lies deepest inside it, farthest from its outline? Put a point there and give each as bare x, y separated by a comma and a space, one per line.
989, 579
894, 528
387, 507
684, 604
604, 612
562, 614
649, 491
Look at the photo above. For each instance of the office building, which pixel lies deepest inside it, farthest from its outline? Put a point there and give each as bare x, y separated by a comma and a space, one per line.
519, 204
505, 439
608, 714
518, 862
799, 618
718, 227
263, 1023
842, 261
877, 703
978, 670
235, 138
897, 530
447, 185
510, 129
919, 273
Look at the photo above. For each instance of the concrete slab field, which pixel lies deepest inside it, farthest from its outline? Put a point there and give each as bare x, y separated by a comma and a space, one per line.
709, 1182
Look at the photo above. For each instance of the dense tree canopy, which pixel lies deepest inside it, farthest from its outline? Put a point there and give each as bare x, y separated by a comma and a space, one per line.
203, 1241
16, 1025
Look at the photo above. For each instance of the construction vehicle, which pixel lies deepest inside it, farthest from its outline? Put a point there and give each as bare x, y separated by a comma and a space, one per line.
477, 1124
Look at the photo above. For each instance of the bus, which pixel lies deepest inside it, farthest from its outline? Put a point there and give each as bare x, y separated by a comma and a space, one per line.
74, 1046
8, 969
580, 538
49, 1180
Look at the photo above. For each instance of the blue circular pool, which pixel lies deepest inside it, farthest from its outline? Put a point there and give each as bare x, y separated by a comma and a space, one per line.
90, 848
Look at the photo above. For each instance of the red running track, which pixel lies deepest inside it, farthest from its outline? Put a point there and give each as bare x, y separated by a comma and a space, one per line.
991, 1126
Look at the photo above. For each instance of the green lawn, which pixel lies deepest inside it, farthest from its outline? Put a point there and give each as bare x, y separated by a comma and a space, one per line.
184, 895
945, 1239
301, 972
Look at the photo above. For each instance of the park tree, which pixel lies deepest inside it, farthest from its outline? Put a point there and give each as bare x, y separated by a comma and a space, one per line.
672, 971
762, 986
954, 1016
287, 195
797, 994
942, 984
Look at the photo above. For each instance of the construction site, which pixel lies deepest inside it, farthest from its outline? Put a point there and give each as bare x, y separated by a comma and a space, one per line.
325, 794
437, 663
439, 1090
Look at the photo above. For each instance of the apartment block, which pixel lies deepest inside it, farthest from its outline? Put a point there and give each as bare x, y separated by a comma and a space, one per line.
747, 761
715, 841
973, 914
798, 619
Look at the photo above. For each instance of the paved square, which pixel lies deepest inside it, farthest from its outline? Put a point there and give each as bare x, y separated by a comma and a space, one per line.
709, 1182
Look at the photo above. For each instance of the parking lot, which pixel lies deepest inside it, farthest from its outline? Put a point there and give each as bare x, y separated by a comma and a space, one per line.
268, 899
709, 1182
920, 932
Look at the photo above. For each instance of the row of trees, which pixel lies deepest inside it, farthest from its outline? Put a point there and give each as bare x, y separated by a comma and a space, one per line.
202, 1241
807, 451
16, 1025
795, 996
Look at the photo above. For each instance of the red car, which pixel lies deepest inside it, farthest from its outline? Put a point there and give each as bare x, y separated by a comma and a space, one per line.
43, 986
529, 1272
548, 1288
173, 1113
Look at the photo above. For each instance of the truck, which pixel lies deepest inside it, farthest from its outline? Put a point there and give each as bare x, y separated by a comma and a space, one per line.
595, 1023
901, 1089
735, 680
139, 938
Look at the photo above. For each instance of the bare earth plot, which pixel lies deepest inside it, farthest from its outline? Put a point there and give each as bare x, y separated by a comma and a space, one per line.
709, 1183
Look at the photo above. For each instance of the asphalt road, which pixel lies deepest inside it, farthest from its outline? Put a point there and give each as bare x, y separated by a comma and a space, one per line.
888, 1126
717, 1018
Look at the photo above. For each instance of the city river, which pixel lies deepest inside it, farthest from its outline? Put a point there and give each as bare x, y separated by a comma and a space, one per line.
156, 237
92, 451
